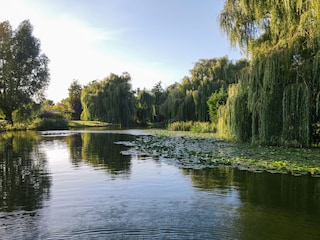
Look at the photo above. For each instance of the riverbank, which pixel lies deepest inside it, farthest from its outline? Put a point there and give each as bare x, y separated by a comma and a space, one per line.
71, 124
190, 150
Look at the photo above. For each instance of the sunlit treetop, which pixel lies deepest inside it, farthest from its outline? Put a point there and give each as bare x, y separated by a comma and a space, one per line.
262, 25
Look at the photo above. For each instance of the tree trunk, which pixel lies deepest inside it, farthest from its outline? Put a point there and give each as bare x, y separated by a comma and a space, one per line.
9, 117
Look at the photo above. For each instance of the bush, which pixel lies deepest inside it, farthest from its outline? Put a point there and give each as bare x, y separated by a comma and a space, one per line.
216, 99
195, 127
50, 115
203, 127
50, 124
180, 126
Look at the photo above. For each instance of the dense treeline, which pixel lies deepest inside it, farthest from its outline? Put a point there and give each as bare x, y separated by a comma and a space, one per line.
113, 100
188, 100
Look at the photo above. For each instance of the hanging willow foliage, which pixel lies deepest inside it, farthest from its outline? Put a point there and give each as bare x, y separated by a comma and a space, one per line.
296, 115
110, 100
234, 118
282, 39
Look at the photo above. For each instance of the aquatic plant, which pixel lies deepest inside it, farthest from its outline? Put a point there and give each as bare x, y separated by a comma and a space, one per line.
201, 151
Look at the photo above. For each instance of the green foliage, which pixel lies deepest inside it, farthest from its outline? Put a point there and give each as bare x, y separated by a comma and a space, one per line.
145, 107
26, 113
75, 99
23, 69
195, 127
187, 101
110, 100
203, 127
180, 126
87, 124
62, 108
216, 99
160, 96
282, 90
50, 124
234, 119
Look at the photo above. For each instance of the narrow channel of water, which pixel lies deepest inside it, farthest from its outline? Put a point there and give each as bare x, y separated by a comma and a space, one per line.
77, 185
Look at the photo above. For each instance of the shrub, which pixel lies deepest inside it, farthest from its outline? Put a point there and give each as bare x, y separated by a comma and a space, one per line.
203, 127
180, 126
195, 127
50, 124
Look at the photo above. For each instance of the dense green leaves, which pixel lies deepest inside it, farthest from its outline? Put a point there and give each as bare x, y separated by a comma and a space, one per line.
145, 110
188, 100
217, 99
23, 69
110, 100
75, 99
282, 87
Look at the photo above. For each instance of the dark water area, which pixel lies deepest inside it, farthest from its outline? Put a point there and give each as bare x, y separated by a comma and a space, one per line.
78, 185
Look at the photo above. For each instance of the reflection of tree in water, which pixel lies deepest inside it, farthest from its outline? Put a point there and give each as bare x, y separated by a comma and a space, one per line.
272, 205
263, 189
99, 150
282, 205
24, 179
280, 191
74, 142
207, 178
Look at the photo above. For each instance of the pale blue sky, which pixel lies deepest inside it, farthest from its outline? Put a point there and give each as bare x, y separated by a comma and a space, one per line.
153, 40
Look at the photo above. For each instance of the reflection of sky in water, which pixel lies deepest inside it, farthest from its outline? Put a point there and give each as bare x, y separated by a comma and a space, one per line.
156, 200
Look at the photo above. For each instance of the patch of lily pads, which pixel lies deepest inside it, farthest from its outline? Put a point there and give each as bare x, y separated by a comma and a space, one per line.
197, 151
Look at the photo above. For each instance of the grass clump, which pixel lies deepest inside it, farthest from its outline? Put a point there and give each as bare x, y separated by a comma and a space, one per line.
195, 127
85, 124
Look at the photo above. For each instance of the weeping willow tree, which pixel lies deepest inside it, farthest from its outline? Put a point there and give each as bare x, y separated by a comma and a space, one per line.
145, 107
110, 100
282, 39
187, 101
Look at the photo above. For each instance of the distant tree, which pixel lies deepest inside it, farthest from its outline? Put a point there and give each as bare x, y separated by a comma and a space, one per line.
110, 100
63, 109
75, 99
145, 106
47, 105
159, 98
187, 100
24, 70
216, 99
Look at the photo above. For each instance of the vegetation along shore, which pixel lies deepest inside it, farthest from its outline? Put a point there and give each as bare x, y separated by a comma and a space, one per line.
201, 150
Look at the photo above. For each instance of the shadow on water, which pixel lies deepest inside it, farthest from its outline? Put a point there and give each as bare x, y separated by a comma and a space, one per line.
24, 185
24, 177
273, 206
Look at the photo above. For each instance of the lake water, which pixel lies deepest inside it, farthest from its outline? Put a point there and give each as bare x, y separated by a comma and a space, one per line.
77, 185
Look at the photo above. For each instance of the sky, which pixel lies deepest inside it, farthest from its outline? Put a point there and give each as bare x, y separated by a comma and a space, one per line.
152, 40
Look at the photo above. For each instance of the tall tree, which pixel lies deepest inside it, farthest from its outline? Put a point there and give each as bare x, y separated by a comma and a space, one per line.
159, 98
282, 38
24, 70
145, 106
188, 99
110, 100
75, 99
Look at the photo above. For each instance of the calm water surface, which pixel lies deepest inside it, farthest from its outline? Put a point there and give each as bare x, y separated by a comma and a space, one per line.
77, 185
